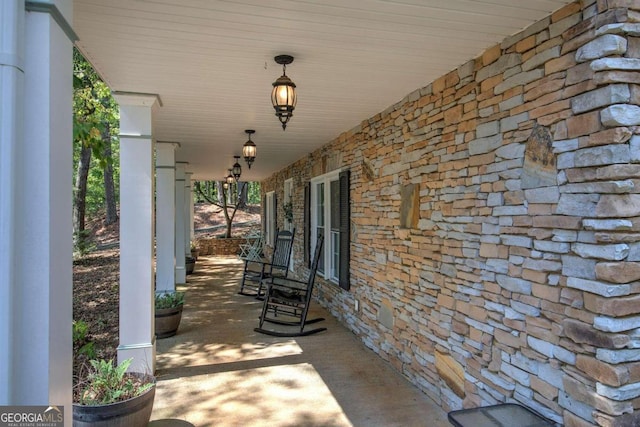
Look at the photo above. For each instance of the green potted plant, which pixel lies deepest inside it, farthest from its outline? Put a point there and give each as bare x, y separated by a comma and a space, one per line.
168, 312
189, 264
288, 211
195, 252
111, 396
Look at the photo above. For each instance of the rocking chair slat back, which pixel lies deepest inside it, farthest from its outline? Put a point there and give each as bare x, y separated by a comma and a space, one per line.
257, 270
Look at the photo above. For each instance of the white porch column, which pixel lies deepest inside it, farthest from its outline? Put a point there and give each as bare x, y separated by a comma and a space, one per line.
193, 207
181, 237
11, 134
35, 231
166, 215
137, 335
189, 215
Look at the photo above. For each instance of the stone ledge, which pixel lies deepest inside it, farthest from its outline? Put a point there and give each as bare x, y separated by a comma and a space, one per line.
220, 246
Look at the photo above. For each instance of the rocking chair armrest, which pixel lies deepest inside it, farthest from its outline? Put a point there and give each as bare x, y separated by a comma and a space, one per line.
262, 261
265, 263
285, 282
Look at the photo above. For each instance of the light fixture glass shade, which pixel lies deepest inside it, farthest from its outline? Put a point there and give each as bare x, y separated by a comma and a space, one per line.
249, 149
237, 169
283, 95
230, 178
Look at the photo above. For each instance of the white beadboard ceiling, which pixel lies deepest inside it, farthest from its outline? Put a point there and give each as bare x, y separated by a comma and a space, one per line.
211, 63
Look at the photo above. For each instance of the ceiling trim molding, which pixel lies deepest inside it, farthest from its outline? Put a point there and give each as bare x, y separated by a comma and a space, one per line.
137, 98
52, 9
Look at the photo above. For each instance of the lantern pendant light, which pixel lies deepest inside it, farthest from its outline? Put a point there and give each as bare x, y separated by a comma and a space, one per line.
229, 178
249, 148
283, 95
237, 169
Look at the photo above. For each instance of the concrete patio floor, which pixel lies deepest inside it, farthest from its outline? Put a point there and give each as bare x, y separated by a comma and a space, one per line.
218, 372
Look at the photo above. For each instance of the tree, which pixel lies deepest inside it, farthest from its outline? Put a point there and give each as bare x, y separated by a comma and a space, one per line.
80, 193
95, 116
242, 194
109, 185
222, 198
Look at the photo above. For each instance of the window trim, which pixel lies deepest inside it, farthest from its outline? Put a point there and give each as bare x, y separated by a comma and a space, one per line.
270, 213
326, 179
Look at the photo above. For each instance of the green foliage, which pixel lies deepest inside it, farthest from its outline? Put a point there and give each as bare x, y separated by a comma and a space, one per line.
82, 243
80, 343
94, 109
96, 119
288, 211
169, 299
206, 191
108, 383
253, 193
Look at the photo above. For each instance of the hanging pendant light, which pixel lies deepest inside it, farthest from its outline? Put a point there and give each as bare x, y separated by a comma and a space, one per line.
237, 169
249, 149
230, 178
283, 95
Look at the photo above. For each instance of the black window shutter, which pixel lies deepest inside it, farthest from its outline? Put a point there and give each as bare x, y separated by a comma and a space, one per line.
307, 223
345, 231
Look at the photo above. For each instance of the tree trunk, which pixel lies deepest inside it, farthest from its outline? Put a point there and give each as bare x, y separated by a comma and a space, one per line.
242, 195
109, 187
228, 219
80, 202
221, 193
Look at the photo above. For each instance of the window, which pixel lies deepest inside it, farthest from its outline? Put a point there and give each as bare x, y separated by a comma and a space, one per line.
329, 216
270, 218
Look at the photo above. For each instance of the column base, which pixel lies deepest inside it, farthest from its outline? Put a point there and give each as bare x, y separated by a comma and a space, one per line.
181, 275
143, 354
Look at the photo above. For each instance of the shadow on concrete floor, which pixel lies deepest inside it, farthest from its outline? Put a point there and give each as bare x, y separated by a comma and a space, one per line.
218, 372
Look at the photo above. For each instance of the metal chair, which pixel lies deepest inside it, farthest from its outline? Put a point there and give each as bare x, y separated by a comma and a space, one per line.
257, 270
252, 249
286, 302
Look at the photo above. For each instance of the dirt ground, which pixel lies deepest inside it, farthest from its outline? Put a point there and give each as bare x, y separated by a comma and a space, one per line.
96, 279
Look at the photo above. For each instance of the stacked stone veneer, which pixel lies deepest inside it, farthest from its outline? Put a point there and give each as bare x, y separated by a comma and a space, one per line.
519, 277
220, 246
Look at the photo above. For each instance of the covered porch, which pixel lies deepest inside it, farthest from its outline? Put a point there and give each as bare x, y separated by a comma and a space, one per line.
218, 372
479, 162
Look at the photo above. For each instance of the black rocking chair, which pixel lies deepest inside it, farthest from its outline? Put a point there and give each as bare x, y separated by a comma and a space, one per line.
286, 302
256, 271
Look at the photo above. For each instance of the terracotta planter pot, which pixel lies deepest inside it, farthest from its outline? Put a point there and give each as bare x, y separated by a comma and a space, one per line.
168, 321
134, 412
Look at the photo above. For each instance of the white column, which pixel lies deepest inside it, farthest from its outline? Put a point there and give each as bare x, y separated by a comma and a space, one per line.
193, 211
11, 135
166, 215
188, 204
137, 336
35, 230
181, 273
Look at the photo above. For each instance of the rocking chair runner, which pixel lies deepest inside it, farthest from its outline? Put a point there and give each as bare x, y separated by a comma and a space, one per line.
287, 301
257, 270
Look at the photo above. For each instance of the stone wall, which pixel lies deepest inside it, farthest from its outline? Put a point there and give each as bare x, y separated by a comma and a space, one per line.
519, 277
220, 246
